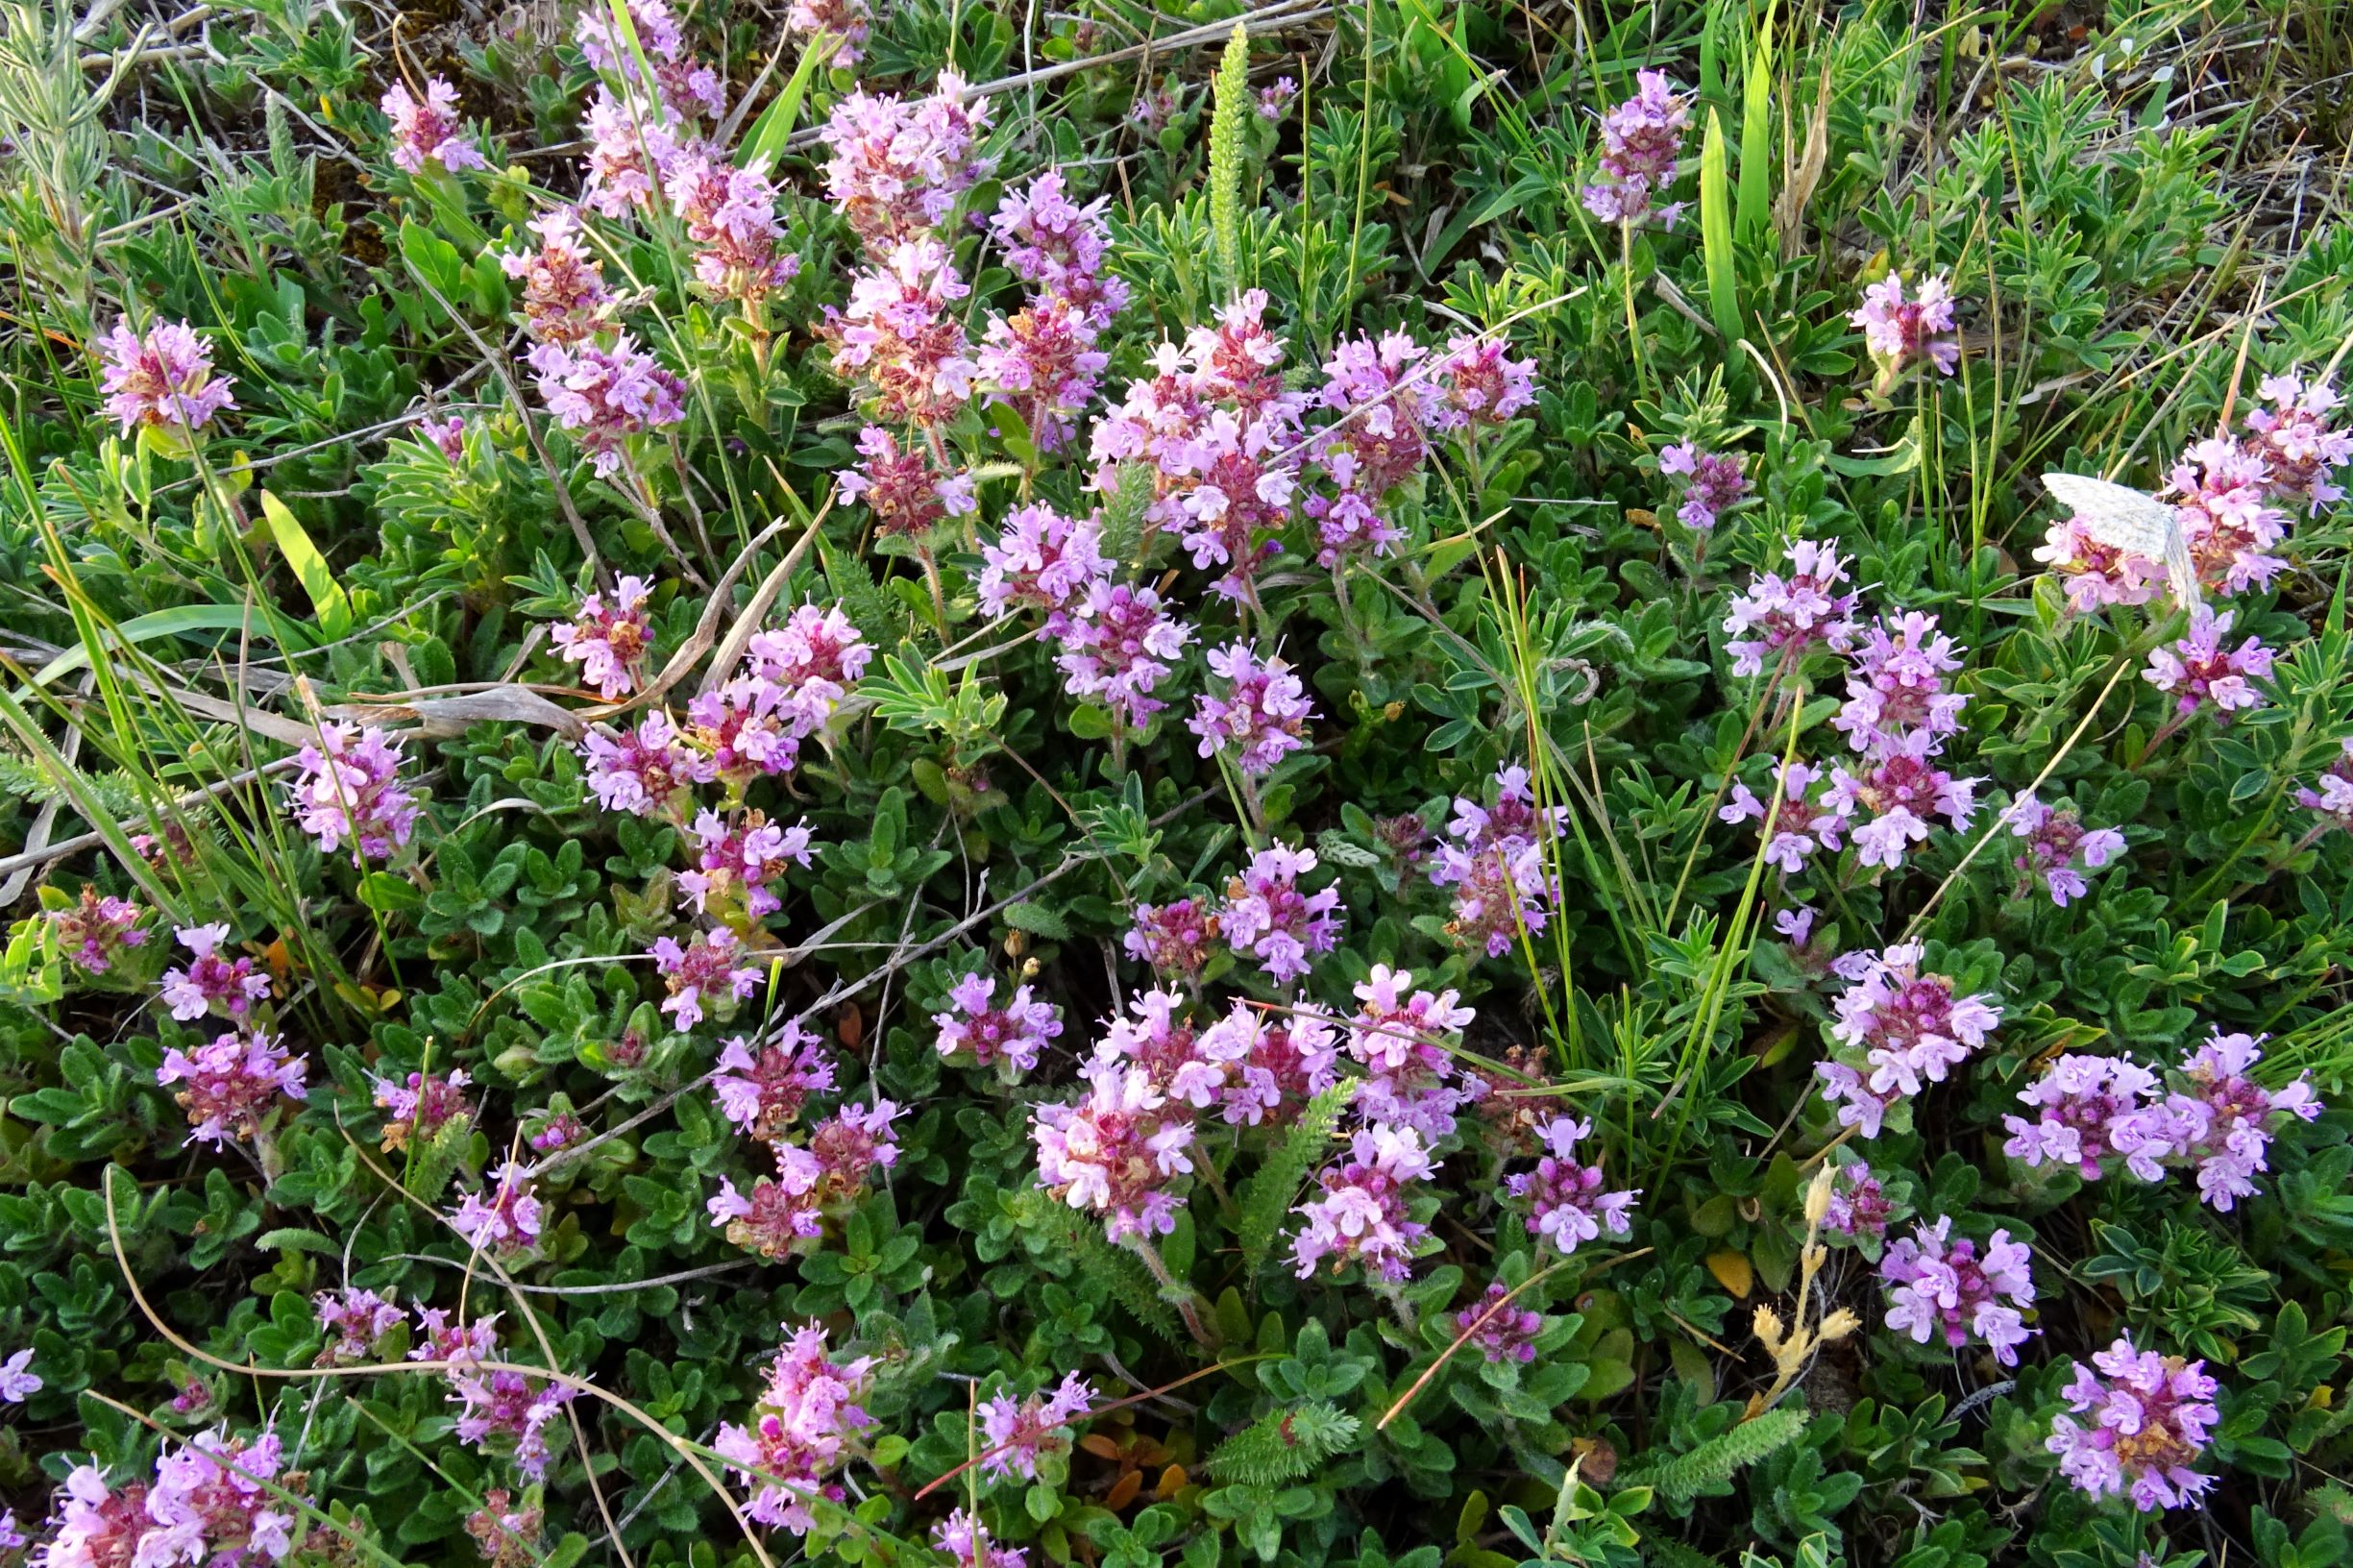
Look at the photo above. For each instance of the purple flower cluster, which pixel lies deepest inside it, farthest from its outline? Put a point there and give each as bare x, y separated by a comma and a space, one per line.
211, 1501
900, 340
564, 297
1118, 644
1566, 1204
347, 789
1043, 361
899, 165
1493, 857
975, 1029
1714, 482
1405, 1042
2290, 428
1641, 140
1807, 821
420, 1106
161, 380
741, 250
211, 983
1901, 331
359, 1319
1019, 1432
2200, 674
905, 488
646, 772
782, 1217
1362, 1208
2058, 848
2089, 1109
1043, 560
1859, 1210
1268, 918
2146, 1418
232, 1083
738, 859
1502, 1332
2221, 1122
1944, 1286
1176, 939
967, 1543
762, 1091
1115, 1151
1896, 1031
2329, 796
604, 395
705, 972
608, 641
1782, 619
1264, 716
804, 1426
427, 129
95, 932
502, 1219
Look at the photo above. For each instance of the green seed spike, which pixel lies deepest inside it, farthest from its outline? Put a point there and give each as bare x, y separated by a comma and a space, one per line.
1228, 127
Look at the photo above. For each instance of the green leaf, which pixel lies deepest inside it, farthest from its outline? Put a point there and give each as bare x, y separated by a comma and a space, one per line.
1756, 133
176, 621
389, 893
766, 141
1039, 921
1229, 126
327, 598
1716, 234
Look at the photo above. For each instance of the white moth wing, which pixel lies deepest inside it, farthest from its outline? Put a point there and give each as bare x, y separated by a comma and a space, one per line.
2122, 518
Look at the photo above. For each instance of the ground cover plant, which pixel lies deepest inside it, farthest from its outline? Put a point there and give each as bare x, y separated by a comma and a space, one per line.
965, 781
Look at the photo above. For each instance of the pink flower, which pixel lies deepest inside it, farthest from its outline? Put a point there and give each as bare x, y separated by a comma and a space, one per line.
359, 1319
961, 1537
18, 1382
347, 789
232, 1083
2059, 848
2098, 575
429, 130
1896, 685
1902, 789
738, 859
1801, 828
96, 1526
804, 1424
1566, 1204
703, 972
843, 21
1175, 939
1860, 1208
1360, 1210
162, 379
422, 1106
1043, 560
899, 338
1900, 330
781, 1218
2149, 1417
1792, 616
502, 1219
1494, 859
645, 772
1641, 140
2298, 445
2223, 497
210, 1504
564, 297
1262, 717
631, 152
1042, 361
1115, 1151
1480, 383
1897, 1030
762, 1091
1714, 482
1269, 1063
95, 932
2222, 1122
1275, 99
508, 1413
899, 165
906, 492
608, 642
1058, 247
2204, 675
2330, 796
1017, 1436
604, 396
1943, 1286
685, 86
730, 217
2089, 1108
1405, 1044
976, 1029
1503, 1332
1120, 643
1267, 917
